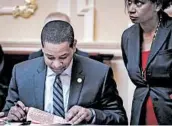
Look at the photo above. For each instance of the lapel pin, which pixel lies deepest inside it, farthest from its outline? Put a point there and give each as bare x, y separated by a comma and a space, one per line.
79, 80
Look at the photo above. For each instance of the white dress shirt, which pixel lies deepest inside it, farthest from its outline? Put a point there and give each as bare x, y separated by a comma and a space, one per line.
65, 80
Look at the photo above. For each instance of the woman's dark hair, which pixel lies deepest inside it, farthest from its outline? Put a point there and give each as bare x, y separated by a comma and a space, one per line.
165, 3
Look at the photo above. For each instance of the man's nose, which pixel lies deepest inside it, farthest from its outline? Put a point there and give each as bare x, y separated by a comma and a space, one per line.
57, 64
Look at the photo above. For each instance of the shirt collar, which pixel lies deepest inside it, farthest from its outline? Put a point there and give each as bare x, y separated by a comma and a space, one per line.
68, 71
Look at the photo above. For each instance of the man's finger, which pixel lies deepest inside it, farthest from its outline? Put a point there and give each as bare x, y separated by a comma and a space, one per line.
76, 117
71, 113
80, 119
14, 113
21, 105
20, 113
12, 117
1, 114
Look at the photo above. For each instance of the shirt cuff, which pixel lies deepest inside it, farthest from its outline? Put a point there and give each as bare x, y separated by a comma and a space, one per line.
93, 119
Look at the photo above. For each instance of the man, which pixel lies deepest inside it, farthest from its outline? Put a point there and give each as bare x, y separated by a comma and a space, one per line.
3, 86
63, 83
56, 16
1, 60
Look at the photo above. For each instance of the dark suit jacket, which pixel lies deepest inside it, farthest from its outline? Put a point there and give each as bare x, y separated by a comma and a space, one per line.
158, 82
1, 60
40, 53
97, 90
3, 86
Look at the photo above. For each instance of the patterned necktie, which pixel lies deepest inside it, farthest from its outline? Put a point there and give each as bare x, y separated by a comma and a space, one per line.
58, 106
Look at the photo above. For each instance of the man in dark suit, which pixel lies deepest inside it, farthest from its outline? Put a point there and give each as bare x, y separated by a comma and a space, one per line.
3, 86
1, 60
87, 90
56, 16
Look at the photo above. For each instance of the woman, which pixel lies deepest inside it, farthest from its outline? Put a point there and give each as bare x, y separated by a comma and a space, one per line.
147, 54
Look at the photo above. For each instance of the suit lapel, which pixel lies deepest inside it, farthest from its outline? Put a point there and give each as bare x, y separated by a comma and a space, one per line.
40, 85
157, 44
77, 80
134, 48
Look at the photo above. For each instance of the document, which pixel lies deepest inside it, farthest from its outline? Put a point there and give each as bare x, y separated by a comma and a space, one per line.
41, 117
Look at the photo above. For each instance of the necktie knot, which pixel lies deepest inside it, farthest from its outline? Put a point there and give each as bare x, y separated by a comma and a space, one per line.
57, 80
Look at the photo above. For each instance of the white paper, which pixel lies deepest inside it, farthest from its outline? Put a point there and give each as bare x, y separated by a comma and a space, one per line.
42, 117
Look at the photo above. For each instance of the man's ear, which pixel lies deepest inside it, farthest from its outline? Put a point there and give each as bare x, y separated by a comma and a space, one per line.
42, 49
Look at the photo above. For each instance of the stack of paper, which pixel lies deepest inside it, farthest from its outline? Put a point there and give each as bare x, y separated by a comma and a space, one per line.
42, 117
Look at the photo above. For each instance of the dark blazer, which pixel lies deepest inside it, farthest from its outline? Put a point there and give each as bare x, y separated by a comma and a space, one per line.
40, 53
97, 90
158, 82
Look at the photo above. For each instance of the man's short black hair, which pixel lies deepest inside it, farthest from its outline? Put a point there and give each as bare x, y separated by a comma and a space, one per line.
57, 32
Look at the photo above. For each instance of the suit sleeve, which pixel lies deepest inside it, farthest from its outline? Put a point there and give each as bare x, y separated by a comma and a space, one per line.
124, 48
3, 85
112, 110
12, 93
1, 60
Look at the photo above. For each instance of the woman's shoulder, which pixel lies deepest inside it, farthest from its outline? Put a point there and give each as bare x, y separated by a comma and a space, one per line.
127, 32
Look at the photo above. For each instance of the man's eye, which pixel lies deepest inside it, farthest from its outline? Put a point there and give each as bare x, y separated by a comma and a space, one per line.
63, 57
50, 58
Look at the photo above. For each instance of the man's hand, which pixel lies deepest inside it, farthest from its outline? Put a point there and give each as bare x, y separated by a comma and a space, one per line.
77, 114
18, 112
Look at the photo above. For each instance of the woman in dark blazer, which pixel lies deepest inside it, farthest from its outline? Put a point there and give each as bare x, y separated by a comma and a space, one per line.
147, 54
